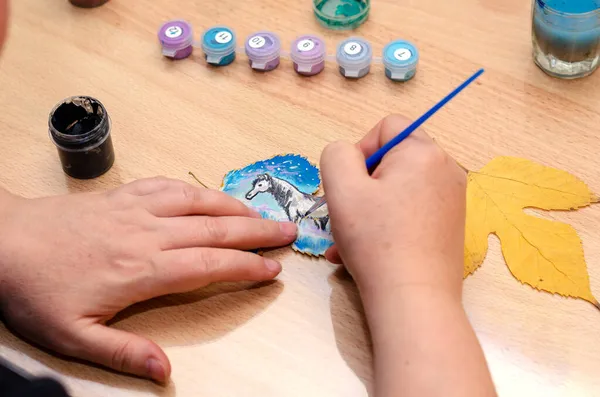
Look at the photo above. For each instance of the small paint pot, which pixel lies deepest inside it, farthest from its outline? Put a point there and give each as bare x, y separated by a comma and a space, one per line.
263, 50
354, 56
308, 54
218, 44
400, 59
80, 127
176, 38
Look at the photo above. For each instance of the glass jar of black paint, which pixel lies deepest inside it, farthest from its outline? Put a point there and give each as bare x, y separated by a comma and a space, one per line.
80, 128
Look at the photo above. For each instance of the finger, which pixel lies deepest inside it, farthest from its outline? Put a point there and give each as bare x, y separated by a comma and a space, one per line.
185, 199
123, 352
385, 130
342, 166
185, 270
332, 255
142, 187
226, 232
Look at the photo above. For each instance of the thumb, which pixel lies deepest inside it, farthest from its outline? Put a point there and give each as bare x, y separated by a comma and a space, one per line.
123, 352
333, 255
342, 166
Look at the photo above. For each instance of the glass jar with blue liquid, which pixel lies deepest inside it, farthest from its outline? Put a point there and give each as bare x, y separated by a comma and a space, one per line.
566, 37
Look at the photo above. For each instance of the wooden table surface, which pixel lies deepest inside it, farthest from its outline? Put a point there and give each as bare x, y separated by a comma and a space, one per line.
303, 335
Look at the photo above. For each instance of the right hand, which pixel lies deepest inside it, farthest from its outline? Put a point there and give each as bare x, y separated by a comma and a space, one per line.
404, 224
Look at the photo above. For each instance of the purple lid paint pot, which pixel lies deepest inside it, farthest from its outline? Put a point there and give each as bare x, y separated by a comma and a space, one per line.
308, 54
176, 38
263, 50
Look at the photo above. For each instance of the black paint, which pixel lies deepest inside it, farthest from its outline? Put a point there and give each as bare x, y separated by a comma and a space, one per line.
80, 128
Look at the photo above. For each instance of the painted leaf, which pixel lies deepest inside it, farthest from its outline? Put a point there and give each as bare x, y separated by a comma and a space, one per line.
282, 188
545, 254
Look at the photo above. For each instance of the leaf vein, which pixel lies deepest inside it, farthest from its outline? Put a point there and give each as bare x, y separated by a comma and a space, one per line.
529, 184
523, 235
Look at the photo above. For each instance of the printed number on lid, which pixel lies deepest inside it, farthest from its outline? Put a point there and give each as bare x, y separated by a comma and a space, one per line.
306, 45
223, 37
173, 32
257, 42
403, 54
352, 48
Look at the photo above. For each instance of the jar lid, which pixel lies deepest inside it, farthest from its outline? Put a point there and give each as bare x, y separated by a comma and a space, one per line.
308, 49
176, 34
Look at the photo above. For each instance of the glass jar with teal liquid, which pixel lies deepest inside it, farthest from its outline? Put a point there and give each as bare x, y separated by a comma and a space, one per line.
341, 14
566, 37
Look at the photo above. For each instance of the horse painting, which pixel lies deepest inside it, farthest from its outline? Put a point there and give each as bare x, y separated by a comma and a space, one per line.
295, 203
281, 188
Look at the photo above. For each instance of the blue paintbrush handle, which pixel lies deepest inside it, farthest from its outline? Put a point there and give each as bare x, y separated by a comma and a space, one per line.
378, 155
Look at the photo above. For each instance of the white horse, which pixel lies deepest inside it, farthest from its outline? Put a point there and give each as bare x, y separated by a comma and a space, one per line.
295, 203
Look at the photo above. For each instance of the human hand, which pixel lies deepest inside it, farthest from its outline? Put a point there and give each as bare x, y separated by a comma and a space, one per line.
70, 263
404, 225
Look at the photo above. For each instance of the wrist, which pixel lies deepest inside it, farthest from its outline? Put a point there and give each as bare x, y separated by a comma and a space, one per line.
419, 275
8, 202
408, 297
387, 310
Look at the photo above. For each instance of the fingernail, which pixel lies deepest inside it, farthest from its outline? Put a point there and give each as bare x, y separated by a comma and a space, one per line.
255, 214
155, 370
273, 266
289, 229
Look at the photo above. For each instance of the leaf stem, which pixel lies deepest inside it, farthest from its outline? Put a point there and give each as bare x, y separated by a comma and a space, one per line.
197, 180
463, 167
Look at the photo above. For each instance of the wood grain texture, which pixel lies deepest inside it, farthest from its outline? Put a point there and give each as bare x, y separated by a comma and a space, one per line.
303, 335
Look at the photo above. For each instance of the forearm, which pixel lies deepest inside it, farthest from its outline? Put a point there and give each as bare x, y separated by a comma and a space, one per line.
5, 196
7, 201
423, 344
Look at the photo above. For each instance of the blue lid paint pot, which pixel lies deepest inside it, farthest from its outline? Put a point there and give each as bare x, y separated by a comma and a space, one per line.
218, 44
566, 37
400, 59
308, 55
263, 50
354, 56
176, 38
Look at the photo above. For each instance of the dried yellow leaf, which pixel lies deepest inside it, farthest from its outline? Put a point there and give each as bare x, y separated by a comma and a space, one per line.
545, 254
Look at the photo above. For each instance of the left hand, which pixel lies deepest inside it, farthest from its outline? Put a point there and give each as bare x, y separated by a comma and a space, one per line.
70, 263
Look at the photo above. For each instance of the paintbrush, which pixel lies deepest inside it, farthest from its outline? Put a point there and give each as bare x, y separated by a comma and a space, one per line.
374, 160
